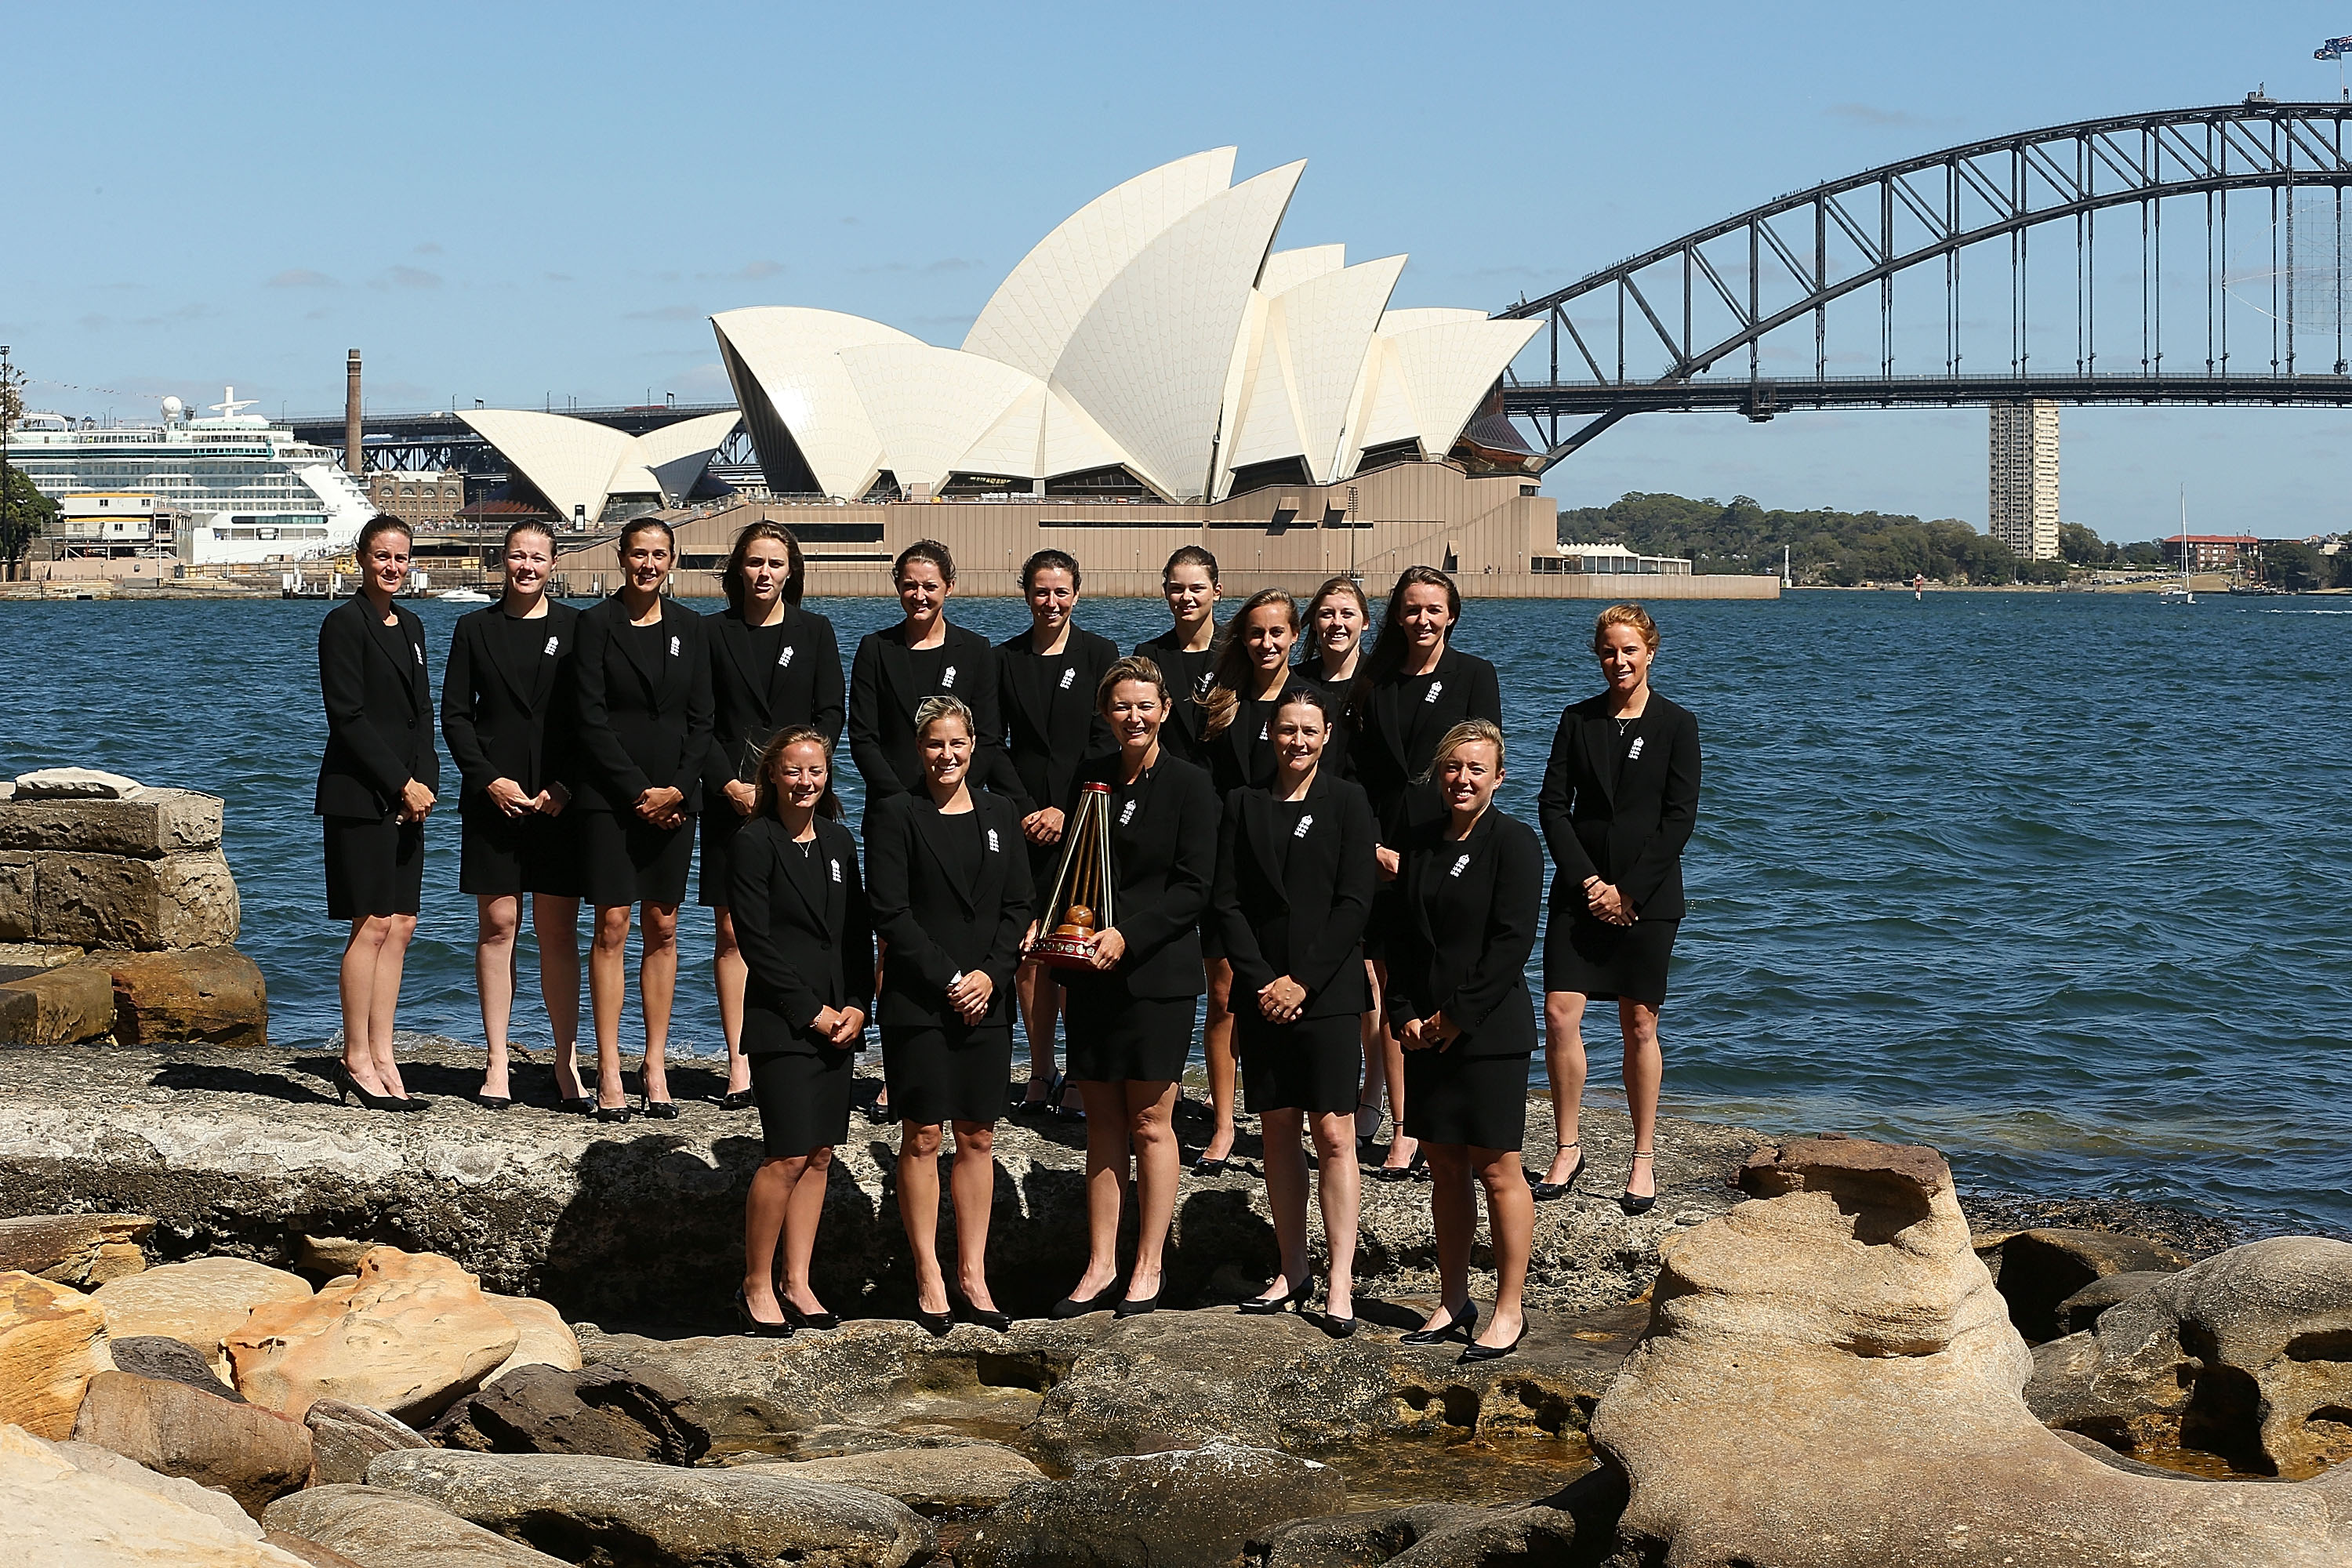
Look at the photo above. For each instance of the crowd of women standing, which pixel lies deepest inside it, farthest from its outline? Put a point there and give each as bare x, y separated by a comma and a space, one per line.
1303, 829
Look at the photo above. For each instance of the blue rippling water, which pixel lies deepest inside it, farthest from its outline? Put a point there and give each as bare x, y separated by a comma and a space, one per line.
2054, 882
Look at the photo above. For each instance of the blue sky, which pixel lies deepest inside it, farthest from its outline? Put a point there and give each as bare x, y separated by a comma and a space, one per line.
519, 202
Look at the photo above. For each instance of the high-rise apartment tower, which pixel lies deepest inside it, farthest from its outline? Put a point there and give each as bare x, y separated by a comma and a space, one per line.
2022, 512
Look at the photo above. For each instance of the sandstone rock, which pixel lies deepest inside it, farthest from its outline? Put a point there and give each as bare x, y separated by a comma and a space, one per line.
73, 784
345, 1438
2039, 1268
1181, 1510
200, 1302
62, 1514
409, 1336
33, 955
2247, 1355
77, 1249
249, 1453
2080, 1310
1574, 1527
379, 1528
595, 1410
169, 1360
184, 900
931, 1481
330, 1256
212, 993
52, 1343
159, 822
1831, 1381
1359, 1540
61, 1006
579, 1508
546, 1339
310, 1551
106, 1462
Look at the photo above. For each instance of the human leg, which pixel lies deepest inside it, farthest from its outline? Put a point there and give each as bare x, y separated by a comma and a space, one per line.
356, 981
1644, 1068
1564, 1064
607, 983
383, 999
1454, 1221
657, 990
1107, 1160
919, 1209
1510, 1232
766, 1214
1286, 1195
802, 1214
973, 1178
729, 974
556, 919
496, 918
1217, 1049
1040, 997
1339, 1191
1149, 1119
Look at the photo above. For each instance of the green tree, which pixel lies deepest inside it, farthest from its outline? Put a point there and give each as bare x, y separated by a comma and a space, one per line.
2295, 566
2146, 552
22, 520
2084, 548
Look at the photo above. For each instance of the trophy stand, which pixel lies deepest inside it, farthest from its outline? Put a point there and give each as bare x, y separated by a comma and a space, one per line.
1080, 903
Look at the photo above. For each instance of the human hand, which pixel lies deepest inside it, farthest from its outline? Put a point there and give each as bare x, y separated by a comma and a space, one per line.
1043, 826
1109, 948
972, 995
415, 802
1389, 861
1439, 1031
743, 797
827, 1022
1280, 999
508, 796
659, 806
852, 1024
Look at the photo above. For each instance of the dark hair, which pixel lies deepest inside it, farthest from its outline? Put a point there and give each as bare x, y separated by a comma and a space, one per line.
637, 525
1234, 668
730, 579
765, 802
382, 523
1338, 585
930, 549
538, 525
1388, 650
1134, 667
1313, 696
1191, 555
1049, 561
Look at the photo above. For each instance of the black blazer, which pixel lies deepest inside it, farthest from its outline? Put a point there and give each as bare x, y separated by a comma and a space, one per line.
1051, 721
495, 715
883, 696
1632, 836
1163, 858
1298, 907
379, 703
747, 705
1395, 739
1337, 760
640, 728
935, 926
1181, 735
806, 933
1241, 755
1461, 926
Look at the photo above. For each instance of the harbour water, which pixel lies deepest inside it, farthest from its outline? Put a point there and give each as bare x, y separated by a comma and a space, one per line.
2055, 882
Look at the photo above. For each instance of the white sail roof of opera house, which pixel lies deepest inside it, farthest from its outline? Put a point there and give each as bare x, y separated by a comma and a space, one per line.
1157, 330
579, 465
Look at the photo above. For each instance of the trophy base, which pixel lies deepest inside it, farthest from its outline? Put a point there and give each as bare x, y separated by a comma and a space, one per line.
1065, 952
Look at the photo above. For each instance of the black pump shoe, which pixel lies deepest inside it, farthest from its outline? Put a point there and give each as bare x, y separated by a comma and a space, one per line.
1409, 1172
736, 1099
1070, 1307
1460, 1328
817, 1321
611, 1112
492, 1102
1632, 1203
753, 1326
1268, 1306
1338, 1328
1137, 1308
1475, 1351
983, 1317
347, 1089
935, 1324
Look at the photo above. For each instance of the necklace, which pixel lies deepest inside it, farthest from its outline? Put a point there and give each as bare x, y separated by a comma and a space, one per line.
1624, 725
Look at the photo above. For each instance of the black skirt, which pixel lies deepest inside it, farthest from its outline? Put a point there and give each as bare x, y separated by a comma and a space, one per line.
803, 1099
1609, 962
624, 860
950, 1074
1110, 1037
1314, 1064
720, 823
503, 857
376, 866
1481, 1102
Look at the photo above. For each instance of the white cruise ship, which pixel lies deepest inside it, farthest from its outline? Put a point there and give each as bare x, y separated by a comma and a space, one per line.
240, 491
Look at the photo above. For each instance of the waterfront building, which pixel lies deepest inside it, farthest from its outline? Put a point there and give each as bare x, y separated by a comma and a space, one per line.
586, 474
429, 499
2210, 552
1611, 561
2023, 467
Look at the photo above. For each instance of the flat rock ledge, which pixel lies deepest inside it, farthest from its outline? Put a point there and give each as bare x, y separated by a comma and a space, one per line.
246, 1152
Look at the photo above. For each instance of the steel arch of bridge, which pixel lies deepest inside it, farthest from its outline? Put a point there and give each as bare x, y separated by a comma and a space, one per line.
1837, 239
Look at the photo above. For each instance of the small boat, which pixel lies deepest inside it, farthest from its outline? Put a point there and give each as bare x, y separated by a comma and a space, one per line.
2180, 595
463, 597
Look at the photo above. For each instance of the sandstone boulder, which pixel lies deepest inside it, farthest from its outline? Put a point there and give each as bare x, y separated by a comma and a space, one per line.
73, 784
310, 1551
212, 993
61, 1006
346, 1438
63, 1514
1178, 1510
379, 1529
186, 899
1573, 1527
953, 1479
409, 1336
2080, 1310
546, 1340
200, 1302
159, 822
106, 1462
2247, 1355
595, 1410
580, 1508
1831, 1381
52, 1343
169, 1360
2041, 1268
77, 1249
252, 1454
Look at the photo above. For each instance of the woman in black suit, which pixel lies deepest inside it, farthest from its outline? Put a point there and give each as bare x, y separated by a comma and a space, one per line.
1414, 686
1048, 676
376, 789
773, 666
1130, 1016
642, 680
1620, 796
1294, 879
923, 656
508, 673
1186, 653
1460, 930
948, 876
807, 939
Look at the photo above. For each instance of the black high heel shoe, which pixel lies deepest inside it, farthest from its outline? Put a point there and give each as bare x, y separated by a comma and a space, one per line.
1460, 1328
492, 1102
347, 1087
984, 1317
1632, 1203
1070, 1307
1548, 1192
736, 1099
1338, 1328
1409, 1172
1475, 1351
935, 1324
653, 1109
1137, 1307
816, 1321
753, 1326
610, 1112
1268, 1306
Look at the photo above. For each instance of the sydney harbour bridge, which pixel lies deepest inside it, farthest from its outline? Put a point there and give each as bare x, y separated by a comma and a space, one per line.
2191, 255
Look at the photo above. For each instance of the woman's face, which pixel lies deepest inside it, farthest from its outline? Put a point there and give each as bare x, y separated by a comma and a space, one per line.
1624, 657
1268, 636
947, 750
1468, 777
387, 560
1298, 736
922, 591
1424, 618
767, 567
1337, 625
1191, 595
645, 559
1134, 712
528, 564
1052, 597
803, 774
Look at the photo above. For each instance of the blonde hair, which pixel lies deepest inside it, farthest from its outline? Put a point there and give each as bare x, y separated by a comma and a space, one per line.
931, 709
1135, 667
1628, 614
1463, 734
765, 792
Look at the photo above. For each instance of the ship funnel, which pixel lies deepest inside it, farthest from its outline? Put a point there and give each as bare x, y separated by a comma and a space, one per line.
352, 456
